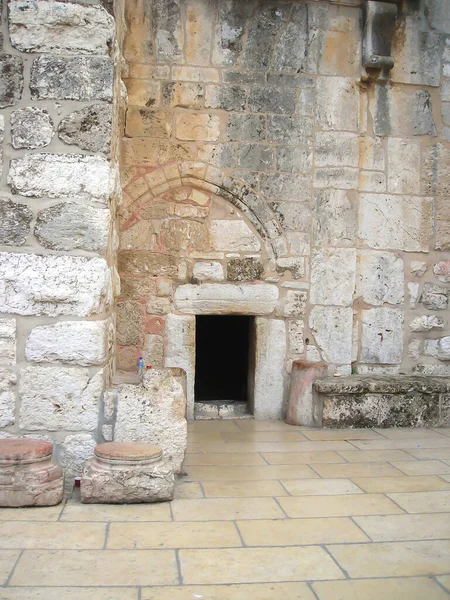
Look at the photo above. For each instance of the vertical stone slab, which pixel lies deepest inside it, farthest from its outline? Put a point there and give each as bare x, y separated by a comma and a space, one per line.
269, 369
180, 351
301, 409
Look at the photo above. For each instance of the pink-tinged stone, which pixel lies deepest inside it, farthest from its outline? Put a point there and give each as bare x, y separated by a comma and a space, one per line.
27, 475
301, 408
442, 270
119, 451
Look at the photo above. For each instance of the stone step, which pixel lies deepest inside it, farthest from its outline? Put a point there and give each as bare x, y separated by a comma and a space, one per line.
221, 409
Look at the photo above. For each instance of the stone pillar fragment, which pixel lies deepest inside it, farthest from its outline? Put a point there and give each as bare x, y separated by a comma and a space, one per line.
301, 408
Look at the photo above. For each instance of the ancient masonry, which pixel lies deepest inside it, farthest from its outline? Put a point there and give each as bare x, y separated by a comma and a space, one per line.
164, 159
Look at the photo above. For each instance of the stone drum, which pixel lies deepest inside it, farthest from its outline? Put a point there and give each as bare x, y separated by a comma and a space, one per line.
27, 475
126, 472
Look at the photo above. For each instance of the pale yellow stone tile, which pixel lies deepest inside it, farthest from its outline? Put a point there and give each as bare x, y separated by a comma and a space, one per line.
357, 470
269, 446
338, 506
96, 567
74, 593
320, 487
341, 434
403, 444
255, 591
237, 473
53, 536
407, 432
375, 455
212, 426
188, 489
396, 528
252, 565
116, 512
7, 561
243, 489
430, 453
251, 425
445, 581
423, 502
395, 559
300, 458
400, 484
443, 431
249, 458
412, 588
265, 436
202, 437
445, 477
33, 513
138, 536
423, 467
226, 509
298, 532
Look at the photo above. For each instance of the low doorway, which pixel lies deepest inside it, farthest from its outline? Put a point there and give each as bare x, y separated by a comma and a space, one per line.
224, 363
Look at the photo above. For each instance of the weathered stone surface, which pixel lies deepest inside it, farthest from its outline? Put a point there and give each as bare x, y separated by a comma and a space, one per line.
336, 148
53, 285
73, 452
246, 128
295, 304
444, 348
148, 122
296, 344
426, 323
197, 127
296, 266
344, 178
153, 351
442, 224
442, 270
62, 176
8, 381
155, 412
129, 323
233, 236
436, 176
395, 112
272, 99
59, 27
418, 268
208, 271
263, 32
404, 166
184, 95
216, 298
15, 222
31, 127
396, 222
76, 342
295, 159
301, 408
382, 335
434, 297
292, 216
65, 78
55, 398
332, 329
11, 79
413, 291
244, 269
185, 235
256, 157
147, 263
169, 30
333, 276
72, 225
88, 128
2, 138
284, 186
334, 217
7, 341
290, 130
380, 278
180, 351
229, 31
139, 236
158, 306
229, 98
269, 393
415, 348
337, 104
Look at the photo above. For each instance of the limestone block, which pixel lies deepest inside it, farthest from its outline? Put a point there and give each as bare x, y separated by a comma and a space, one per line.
144, 122
418, 268
426, 323
382, 336
296, 266
180, 351
183, 94
62, 176
229, 98
295, 159
332, 329
270, 389
153, 351
147, 263
290, 130
301, 408
15, 222
371, 181
372, 153
66, 78
444, 348
166, 21
272, 99
139, 236
403, 166
59, 398
341, 46
256, 157
72, 225
434, 297
395, 222
414, 291
244, 269
442, 220
31, 127
263, 32
225, 299
75, 342
197, 127
430, 348
344, 178
11, 79
8, 381
2, 137
292, 216
296, 344
233, 236
442, 270
89, 128
107, 433
333, 273
229, 31
436, 176
155, 412
53, 285
74, 450
295, 304
7, 341
185, 236
380, 278
158, 306
208, 271
334, 217
337, 104
415, 348
312, 354
285, 186
336, 148
299, 243
50, 26
129, 323
246, 128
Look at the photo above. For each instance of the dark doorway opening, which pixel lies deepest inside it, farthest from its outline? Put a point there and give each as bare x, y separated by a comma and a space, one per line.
223, 363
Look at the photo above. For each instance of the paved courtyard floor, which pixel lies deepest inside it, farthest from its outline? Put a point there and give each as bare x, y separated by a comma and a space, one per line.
266, 511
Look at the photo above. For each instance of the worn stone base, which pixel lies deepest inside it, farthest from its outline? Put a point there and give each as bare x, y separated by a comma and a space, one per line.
27, 475
397, 401
125, 473
218, 409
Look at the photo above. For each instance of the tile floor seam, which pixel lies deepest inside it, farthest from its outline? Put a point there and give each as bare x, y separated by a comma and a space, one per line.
352, 518
139, 593
344, 571
281, 508
200, 483
105, 543
435, 579
313, 592
264, 459
16, 562
284, 487
171, 511
241, 537
354, 445
64, 504
340, 455
316, 472
178, 563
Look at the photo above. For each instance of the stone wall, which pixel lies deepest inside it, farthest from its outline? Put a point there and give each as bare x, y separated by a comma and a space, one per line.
252, 119
57, 205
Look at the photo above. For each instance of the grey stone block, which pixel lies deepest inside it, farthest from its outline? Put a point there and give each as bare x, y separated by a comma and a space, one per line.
166, 22
256, 157
244, 269
292, 216
31, 127
290, 80
11, 80
295, 159
88, 128
230, 97
15, 222
231, 25
243, 77
284, 186
262, 35
289, 130
272, 99
246, 128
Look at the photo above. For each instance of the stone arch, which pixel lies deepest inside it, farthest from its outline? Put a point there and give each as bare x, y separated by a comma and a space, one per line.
211, 179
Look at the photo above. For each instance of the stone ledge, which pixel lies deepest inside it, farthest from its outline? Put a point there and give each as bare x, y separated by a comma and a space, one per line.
357, 384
